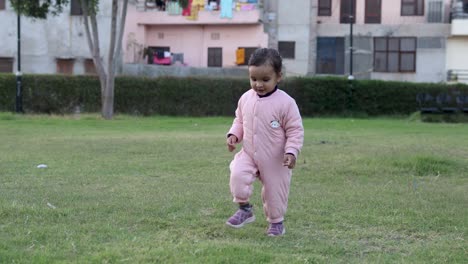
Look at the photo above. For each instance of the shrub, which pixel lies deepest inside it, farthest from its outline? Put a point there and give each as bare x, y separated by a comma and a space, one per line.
203, 96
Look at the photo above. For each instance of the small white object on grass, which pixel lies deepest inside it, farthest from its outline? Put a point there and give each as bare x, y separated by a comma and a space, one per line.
41, 166
51, 206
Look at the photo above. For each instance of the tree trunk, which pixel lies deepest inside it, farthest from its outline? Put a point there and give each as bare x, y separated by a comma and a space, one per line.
106, 77
107, 100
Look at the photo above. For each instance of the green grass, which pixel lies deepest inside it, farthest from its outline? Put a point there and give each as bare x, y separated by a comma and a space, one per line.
155, 189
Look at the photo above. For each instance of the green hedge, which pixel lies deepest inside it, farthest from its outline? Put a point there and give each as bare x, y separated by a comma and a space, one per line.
57, 94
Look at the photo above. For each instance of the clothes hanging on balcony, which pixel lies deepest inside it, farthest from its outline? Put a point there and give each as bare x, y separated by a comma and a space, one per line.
198, 2
173, 8
195, 7
226, 8
178, 57
187, 10
247, 7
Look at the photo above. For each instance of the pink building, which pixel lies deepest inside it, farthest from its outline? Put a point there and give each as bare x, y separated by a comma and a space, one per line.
207, 33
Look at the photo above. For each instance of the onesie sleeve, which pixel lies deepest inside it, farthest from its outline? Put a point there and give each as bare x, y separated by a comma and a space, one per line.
237, 128
294, 130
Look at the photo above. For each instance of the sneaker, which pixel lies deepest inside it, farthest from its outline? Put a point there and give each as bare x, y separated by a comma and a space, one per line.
240, 218
276, 229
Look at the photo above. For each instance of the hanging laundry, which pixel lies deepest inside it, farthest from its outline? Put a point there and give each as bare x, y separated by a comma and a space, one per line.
240, 56
226, 8
247, 7
187, 10
173, 8
196, 6
198, 2
194, 12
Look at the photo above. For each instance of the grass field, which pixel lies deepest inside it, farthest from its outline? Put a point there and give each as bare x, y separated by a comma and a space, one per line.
155, 189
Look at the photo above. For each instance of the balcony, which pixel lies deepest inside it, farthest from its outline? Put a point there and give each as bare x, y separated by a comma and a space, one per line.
459, 16
242, 15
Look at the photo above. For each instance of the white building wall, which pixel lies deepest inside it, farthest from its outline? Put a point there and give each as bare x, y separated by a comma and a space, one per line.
294, 25
43, 41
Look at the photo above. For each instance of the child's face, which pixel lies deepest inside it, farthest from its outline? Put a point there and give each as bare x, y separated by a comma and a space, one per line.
263, 79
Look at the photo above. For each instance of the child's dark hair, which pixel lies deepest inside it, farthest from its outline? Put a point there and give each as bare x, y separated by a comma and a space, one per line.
263, 56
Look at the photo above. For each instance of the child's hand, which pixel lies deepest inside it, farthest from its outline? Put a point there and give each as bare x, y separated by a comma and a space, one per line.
289, 161
231, 142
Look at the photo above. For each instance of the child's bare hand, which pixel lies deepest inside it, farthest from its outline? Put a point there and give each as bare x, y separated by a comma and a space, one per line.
289, 161
231, 143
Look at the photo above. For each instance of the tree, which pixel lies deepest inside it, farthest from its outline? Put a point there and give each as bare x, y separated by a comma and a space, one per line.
105, 69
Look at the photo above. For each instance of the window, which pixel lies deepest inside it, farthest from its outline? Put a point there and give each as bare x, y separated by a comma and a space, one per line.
75, 9
89, 67
330, 55
158, 55
287, 49
6, 64
215, 57
435, 11
215, 36
348, 11
324, 7
373, 11
243, 55
65, 66
395, 54
2, 4
412, 7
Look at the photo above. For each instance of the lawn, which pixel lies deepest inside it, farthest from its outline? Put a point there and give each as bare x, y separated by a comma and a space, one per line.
155, 189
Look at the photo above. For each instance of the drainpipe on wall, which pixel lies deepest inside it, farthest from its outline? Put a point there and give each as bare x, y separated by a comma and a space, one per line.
351, 22
19, 92
271, 22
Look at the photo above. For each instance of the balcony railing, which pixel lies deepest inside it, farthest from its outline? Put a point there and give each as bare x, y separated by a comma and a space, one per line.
456, 75
459, 9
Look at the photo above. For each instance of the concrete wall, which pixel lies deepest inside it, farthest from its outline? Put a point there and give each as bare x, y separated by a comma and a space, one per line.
294, 22
43, 41
457, 53
181, 71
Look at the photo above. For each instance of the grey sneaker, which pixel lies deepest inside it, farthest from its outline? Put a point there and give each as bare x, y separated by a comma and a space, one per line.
240, 218
276, 229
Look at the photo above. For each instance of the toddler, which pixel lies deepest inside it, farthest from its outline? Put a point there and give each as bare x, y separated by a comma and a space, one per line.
269, 125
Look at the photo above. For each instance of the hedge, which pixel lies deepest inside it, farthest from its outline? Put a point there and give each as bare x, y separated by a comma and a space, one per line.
60, 94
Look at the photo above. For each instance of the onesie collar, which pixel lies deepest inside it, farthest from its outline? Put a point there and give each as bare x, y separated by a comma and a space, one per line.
268, 94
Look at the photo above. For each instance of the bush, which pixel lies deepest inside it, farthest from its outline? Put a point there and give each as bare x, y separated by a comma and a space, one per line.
58, 94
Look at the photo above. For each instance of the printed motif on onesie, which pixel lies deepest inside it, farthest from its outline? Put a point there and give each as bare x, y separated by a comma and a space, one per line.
275, 124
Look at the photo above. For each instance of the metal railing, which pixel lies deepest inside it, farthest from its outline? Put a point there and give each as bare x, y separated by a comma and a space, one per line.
459, 9
457, 75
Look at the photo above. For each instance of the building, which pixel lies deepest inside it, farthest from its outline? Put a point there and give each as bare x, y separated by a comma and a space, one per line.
402, 40
457, 43
55, 45
206, 33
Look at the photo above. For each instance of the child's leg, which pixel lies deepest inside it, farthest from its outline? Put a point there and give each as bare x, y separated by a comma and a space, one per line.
243, 175
275, 191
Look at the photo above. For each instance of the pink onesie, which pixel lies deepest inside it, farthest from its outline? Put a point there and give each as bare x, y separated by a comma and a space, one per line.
269, 127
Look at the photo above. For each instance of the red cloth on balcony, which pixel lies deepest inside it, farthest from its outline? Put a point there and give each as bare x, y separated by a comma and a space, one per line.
187, 11
162, 61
